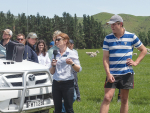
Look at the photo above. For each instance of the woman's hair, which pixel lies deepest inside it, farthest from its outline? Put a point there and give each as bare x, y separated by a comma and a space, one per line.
44, 49
65, 37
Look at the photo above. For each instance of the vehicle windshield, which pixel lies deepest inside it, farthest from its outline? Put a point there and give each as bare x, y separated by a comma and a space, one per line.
2, 52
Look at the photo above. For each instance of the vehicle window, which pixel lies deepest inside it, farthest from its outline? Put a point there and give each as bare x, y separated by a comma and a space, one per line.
2, 52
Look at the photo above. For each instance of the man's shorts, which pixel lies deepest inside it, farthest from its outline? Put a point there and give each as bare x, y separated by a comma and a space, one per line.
121, 82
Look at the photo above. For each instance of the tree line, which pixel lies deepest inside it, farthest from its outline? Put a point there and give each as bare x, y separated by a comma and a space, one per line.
89, 34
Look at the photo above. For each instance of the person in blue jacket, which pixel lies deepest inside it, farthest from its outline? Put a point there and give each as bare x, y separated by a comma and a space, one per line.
29, 52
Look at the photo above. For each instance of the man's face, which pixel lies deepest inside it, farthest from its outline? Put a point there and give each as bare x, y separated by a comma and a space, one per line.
116, 27
20, 39
6, 36
32, 41
71, 46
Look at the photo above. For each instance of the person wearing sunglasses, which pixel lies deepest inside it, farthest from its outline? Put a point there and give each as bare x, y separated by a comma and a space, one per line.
62, 68
21, 38
54, 47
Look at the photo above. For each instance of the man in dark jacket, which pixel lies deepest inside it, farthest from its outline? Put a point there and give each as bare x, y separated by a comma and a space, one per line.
29, 52
7, 34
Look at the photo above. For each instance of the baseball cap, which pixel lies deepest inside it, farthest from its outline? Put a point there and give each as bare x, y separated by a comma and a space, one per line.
71, 41
8, 31
114, 19
32, 35
51, 43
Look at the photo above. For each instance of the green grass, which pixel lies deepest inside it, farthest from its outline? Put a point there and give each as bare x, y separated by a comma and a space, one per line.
91, 84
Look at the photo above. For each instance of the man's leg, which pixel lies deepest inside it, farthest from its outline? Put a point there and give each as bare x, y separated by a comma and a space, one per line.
76, 86
124, 100
107, 99
119, 99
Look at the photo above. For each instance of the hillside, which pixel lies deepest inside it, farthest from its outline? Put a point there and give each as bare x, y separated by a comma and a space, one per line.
132, 23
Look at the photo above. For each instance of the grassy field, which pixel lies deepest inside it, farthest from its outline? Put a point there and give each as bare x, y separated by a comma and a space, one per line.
91, 85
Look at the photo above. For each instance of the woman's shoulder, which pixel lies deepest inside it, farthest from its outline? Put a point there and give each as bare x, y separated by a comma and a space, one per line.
72, 54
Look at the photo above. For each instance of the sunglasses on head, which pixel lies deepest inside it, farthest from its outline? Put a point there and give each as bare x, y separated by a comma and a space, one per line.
19, 39
58, 39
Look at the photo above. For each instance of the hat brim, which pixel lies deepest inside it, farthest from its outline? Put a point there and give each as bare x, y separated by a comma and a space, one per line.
110, 22
5, 32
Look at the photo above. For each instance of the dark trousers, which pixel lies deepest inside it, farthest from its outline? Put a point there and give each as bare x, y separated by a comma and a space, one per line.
65, 90
76, 84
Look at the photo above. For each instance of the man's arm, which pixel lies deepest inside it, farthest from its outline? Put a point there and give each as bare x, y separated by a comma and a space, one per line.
143, 52
110, 77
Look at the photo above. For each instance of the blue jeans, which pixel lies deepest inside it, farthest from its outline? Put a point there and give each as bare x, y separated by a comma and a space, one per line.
65, 90
76, 84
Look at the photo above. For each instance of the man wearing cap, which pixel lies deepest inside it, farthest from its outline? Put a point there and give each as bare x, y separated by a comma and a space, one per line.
7, 34
71, 45
51, 44
29, 52
117, 61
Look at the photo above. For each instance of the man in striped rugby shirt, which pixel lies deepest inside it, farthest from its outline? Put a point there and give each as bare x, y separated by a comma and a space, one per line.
117, 60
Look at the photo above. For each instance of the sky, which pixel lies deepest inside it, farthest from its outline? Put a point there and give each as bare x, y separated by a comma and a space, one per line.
50, 8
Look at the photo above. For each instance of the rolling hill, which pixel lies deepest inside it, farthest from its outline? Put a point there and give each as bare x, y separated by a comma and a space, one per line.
132, 23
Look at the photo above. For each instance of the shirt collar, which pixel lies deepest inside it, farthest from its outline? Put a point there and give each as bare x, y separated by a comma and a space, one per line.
67, 51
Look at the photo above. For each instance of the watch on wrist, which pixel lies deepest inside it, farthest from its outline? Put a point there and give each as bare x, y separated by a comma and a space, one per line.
72, 64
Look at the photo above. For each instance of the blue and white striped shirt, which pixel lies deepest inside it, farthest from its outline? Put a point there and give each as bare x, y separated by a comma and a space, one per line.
119, 51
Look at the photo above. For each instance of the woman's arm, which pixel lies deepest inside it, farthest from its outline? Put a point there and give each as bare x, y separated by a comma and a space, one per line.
75, 65
53, 66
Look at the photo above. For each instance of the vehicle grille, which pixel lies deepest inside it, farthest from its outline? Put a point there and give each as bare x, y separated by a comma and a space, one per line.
40, 81
16, 80
14, 76
44, 96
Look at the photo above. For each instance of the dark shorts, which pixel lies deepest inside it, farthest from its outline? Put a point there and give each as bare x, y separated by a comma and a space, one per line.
121, 82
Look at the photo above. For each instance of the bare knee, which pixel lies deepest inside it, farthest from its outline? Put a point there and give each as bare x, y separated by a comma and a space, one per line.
107, 98
124, 100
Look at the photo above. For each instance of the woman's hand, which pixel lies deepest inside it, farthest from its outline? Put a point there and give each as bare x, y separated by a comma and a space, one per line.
54, 62
69, 61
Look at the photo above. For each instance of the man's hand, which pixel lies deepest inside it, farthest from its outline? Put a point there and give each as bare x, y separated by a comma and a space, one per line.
130, 62
110, 78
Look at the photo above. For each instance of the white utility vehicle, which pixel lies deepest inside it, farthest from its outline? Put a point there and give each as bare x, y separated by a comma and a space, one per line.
24, 86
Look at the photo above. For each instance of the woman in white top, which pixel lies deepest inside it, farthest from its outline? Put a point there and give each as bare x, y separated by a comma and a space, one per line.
41, 51
62, 67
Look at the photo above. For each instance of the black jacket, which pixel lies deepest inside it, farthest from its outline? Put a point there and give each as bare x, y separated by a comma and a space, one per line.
1, 42
30, 54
